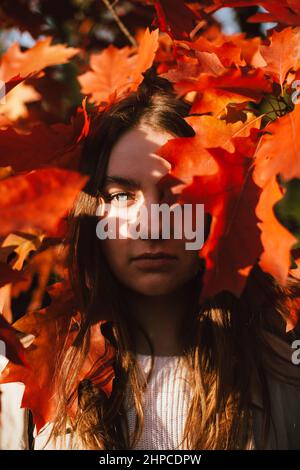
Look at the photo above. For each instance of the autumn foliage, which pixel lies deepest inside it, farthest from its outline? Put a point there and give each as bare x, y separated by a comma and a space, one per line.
241, 163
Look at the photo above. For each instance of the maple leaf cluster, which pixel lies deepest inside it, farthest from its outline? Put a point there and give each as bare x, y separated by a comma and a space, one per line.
242, 164
39, 183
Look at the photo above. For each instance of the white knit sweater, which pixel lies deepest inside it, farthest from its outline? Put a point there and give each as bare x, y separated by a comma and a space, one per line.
166, 403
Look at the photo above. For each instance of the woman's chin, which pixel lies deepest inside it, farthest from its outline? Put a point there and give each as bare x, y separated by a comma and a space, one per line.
157, 285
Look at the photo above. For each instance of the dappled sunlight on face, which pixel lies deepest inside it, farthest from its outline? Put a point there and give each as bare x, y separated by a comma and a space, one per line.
133, 172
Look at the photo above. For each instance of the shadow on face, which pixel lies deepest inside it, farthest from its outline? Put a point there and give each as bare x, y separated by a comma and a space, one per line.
149, 264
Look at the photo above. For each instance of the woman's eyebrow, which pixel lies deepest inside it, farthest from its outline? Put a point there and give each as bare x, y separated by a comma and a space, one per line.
127, 182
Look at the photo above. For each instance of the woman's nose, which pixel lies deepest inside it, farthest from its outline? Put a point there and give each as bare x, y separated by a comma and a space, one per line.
152, 219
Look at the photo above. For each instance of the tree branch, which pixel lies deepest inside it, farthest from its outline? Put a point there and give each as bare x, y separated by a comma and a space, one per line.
120, 23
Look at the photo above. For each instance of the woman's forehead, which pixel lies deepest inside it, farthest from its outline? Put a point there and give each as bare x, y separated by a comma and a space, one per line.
134, 155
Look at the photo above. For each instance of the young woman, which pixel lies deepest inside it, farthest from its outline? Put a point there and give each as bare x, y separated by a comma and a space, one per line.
188, 376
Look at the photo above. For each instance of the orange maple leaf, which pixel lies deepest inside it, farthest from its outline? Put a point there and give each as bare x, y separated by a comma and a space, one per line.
283, 54
279, 149
116, 72
275, 237
15, 63
189, 77
226, 51
216, 101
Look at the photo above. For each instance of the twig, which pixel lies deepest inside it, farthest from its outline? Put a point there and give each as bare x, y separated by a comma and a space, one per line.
120, 23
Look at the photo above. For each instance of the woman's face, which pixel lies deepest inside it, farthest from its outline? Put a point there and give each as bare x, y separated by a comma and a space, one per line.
133, 172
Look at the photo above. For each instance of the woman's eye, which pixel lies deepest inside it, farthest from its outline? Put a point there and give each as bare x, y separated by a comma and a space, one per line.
121, 197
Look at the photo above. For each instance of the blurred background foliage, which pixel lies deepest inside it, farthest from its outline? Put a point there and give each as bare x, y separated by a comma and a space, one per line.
89, 25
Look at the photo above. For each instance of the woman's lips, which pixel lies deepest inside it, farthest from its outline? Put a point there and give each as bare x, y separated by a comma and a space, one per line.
154, 261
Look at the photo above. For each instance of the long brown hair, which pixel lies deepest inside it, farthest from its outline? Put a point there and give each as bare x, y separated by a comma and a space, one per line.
224, 347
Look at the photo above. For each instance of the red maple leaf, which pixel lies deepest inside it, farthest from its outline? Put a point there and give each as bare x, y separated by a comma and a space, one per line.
224, 184
55, 329
175, 18
37, 199
57, 145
